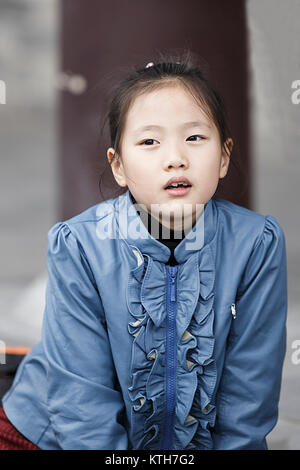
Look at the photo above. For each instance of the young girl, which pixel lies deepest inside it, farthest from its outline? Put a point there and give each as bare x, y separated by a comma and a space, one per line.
164, 325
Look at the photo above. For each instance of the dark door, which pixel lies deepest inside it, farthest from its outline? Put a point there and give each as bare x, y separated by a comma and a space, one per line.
99, 36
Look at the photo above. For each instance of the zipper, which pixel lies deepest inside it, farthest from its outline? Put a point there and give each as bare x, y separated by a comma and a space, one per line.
167, 438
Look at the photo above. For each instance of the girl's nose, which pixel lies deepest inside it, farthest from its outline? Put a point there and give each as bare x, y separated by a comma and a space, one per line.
175, 161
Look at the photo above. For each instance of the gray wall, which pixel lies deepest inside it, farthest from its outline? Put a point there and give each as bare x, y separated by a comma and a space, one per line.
274, 30
28, 162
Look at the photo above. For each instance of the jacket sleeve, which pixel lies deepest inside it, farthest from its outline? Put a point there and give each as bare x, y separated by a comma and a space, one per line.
249, 390
85, 406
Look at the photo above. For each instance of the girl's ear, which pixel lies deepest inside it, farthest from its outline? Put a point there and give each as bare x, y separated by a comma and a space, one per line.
225, 159
116, 166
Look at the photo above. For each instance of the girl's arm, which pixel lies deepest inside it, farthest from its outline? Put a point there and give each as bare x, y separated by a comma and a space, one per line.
247, 399
85, 407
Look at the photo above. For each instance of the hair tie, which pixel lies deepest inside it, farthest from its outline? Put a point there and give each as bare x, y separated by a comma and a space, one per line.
150, 64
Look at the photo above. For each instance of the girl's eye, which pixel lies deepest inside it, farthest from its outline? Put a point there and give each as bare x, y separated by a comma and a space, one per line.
201, 138
148, 140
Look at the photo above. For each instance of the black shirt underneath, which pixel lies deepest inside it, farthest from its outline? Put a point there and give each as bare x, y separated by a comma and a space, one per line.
174, 238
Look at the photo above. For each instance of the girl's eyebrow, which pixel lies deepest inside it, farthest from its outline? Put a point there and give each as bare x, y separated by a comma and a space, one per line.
189, 124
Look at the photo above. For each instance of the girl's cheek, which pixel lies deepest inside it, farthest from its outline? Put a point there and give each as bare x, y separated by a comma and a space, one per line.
209, 166
208, 180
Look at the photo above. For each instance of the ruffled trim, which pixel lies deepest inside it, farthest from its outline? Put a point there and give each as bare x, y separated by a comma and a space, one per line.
146, 292
196, 368
197, 372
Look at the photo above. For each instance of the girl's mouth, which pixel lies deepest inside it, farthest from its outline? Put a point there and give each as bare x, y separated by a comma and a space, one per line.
179, 190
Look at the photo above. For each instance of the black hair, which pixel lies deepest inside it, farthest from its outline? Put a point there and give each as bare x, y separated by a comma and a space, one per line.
169, 69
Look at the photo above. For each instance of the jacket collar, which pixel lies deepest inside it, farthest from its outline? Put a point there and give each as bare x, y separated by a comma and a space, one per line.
133, 230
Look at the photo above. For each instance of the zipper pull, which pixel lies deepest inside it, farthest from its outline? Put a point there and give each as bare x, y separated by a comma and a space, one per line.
173, 279
233, 311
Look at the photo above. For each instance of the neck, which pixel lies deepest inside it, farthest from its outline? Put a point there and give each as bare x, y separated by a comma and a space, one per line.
155, 228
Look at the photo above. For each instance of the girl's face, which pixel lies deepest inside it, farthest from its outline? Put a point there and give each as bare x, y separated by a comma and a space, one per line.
166, 134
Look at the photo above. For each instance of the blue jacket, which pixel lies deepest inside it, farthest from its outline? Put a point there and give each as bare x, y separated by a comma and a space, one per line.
136, 354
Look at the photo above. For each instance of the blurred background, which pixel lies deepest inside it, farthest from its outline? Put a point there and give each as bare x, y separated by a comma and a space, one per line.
57, 59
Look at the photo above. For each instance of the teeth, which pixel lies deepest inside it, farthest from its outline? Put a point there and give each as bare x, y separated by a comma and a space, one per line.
175, 185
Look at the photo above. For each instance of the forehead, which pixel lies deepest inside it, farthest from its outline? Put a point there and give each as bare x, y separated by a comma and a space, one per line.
170, 105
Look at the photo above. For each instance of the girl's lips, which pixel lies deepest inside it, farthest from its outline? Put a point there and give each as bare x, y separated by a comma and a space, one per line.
178, 191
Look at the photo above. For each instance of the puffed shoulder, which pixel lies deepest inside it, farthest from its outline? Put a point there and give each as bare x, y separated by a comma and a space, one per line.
272, 230
65, 254
61, 241
63, 248
272, 241
268, 253
59, 237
